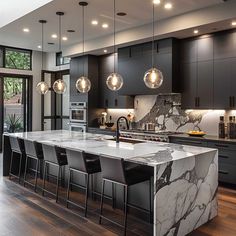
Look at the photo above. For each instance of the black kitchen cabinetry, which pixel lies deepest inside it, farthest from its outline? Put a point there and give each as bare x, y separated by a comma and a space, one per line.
208, 71
226, 155
108, 98
134, 61
90, 65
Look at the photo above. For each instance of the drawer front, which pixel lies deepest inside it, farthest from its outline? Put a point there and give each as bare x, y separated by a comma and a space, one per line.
198, 143
221, 145
227, 173
227, 156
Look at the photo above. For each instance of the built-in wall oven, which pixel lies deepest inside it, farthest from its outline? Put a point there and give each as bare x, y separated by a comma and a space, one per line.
78, 116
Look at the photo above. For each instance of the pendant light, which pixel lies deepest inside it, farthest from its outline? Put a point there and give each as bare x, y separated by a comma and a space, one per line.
153, 78
59, 86
114, 80
83, 84
42, 87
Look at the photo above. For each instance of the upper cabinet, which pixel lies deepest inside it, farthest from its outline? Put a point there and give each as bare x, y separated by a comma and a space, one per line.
134, 61
208, 71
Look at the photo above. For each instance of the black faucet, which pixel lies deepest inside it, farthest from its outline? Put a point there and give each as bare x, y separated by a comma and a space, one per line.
118, 129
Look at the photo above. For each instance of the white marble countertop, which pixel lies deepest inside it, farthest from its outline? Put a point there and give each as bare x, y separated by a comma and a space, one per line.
148, 153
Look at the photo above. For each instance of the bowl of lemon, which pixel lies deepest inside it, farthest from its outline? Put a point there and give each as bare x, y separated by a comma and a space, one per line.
196, 133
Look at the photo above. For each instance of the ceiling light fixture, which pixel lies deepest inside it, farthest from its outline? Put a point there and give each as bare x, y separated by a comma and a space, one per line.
157, 2
153, 78
26, 30
39, 47
105, 50
54, 36
105, 25
195, 31
64, 38
83, 84
94, 22
59, 86
233, 23
114, 80
168, 6
42, 87
70, 31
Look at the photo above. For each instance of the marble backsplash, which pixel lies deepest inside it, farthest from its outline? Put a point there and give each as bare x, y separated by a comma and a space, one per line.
166, 113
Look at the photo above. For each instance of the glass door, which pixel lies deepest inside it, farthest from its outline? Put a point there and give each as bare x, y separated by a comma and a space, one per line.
15, 104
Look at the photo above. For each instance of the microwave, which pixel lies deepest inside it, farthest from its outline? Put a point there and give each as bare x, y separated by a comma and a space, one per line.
78, 112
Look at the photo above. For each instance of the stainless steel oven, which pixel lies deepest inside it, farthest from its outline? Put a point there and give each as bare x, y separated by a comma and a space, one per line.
78, 112
79, 127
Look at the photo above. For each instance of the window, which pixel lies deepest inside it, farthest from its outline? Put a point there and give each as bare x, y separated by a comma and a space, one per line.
61, 60
17, 59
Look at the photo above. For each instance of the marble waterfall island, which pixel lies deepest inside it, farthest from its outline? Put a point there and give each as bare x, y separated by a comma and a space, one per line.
185, 177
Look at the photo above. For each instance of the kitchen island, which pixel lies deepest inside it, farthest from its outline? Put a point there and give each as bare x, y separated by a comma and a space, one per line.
185, 177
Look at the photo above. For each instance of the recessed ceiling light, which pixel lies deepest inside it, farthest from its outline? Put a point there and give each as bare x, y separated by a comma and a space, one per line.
54, 36
105, 25
168, 6
64, 38
70, 31
26, 30
233, 23
39, 46
105, 50
94, 22
121, 14
157, 1
195, 31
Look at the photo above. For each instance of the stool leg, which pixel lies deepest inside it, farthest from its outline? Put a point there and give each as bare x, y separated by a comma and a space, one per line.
113, 196
101, 207
92, 187
68, 188
44, 176
150, 200
20, 168
26, 163
36, 175
71, 179
58, 177
87, 192
10, 168
126, 200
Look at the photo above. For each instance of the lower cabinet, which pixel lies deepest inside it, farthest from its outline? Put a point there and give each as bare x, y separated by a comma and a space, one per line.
226, 152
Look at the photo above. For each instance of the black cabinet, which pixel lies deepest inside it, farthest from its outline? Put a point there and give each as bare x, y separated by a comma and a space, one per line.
108, 98
134, 61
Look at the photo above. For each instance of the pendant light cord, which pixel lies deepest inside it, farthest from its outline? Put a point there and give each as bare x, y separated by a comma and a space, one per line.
60, 40
83, 39
114, 33
42, 47
153, 33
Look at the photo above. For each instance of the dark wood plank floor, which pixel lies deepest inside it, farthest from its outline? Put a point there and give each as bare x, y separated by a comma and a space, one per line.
23, 213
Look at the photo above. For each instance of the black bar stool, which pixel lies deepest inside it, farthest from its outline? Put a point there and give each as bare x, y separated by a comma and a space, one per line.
113, 170
55, 156
34, 151
84, 164
17, 147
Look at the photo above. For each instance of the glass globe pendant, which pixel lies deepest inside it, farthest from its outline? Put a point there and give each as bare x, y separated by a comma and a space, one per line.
59, 86
153, 78
83, 84
114, 81
42, 87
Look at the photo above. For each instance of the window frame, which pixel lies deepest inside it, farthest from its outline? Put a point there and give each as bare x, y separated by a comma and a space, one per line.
5, 48
59, 54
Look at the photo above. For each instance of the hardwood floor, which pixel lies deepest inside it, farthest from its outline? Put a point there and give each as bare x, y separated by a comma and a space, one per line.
24, 213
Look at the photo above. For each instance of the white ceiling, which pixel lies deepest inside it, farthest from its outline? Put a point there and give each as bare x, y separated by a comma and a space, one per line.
138, 13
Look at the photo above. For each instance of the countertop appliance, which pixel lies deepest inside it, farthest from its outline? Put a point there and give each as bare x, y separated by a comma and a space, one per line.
158, 136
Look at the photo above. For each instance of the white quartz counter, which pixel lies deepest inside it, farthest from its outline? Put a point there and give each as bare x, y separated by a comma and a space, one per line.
148, 153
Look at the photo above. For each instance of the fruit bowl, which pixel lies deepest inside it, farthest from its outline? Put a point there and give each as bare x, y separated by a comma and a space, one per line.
196, 133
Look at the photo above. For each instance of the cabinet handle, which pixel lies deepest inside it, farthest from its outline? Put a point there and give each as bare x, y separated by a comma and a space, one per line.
130, 54
222, 156
116, 102
106, 103
221, 145
198, 101
195, 101
223, 172
232, 101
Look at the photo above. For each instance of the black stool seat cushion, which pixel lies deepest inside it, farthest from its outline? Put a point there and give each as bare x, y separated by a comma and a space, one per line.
93, 165
136, 175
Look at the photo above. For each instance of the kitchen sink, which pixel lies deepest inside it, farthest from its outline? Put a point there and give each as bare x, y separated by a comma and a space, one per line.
125, 140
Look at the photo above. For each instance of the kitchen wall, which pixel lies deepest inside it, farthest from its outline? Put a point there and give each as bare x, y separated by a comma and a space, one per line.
166, 113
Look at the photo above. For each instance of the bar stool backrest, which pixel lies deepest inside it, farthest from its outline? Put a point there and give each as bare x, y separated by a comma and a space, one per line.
113, 169
15, 144
50, 154
76, 160
33, 148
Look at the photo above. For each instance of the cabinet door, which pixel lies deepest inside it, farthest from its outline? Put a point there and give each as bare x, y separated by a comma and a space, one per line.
205, 49
189, 85
189, 51
205, 84
233, 80
222, 85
